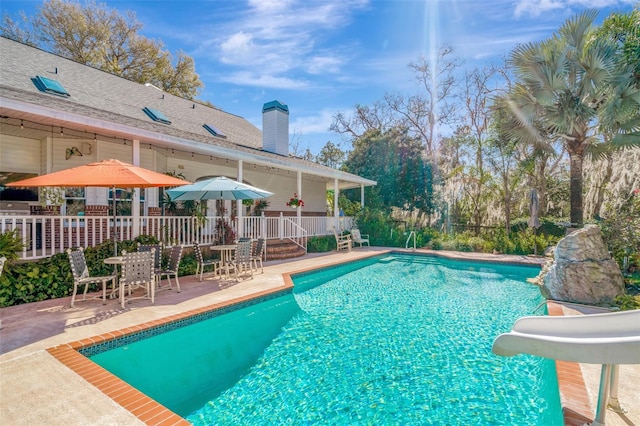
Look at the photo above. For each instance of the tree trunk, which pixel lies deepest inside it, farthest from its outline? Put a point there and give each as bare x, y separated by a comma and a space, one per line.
575, 188
507, 203
541, 183
608, 163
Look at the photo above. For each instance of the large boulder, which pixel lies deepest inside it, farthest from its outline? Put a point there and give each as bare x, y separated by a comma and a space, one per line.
582, 270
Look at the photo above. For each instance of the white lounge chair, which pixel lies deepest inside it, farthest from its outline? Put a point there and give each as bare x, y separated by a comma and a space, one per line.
356, 237
343, 242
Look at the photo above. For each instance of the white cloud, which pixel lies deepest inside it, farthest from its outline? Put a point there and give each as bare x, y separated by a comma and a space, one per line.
246, 78
274, 38
317, 123
324, 65
535, 8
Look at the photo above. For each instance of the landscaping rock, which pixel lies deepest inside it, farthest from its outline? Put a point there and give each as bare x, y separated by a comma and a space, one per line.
582, 270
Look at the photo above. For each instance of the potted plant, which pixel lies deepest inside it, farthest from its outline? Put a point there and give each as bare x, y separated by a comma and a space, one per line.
260, 206
295, 202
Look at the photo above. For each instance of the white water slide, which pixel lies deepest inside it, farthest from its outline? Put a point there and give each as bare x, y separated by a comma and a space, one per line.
609, 339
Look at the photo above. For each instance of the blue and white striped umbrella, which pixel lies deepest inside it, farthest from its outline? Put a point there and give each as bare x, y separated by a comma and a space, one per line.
218, 188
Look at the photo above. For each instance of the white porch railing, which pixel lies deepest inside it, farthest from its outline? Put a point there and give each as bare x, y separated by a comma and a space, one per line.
44, 236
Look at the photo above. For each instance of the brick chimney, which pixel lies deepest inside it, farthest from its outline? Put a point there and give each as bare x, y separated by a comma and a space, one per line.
275, 128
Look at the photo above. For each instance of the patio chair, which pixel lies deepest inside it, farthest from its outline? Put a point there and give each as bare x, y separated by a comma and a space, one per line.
343, 242
241, 261
175, 255
203, 263
157, 258
81, 276
257, 253
137, 272
356, 237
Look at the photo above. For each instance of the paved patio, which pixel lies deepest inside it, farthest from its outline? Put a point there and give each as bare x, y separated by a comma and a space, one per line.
37, 389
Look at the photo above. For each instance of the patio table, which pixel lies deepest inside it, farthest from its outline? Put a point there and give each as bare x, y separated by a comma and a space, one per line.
226, 254
115, 261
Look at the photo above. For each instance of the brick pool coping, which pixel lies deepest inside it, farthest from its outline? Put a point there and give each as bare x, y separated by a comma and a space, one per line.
574, 399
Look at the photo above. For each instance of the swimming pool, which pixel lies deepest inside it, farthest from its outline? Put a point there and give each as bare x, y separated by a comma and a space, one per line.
394, 339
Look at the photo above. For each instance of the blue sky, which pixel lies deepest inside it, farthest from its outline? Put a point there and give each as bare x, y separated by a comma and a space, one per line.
321, 57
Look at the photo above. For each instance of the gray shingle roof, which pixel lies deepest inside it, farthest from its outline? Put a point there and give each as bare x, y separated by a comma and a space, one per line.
106, 93
99, 95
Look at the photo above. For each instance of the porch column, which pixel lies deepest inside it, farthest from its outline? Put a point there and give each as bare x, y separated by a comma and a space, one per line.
239, 205
336, 209
299, 189
49, 155
135, 202
362, 195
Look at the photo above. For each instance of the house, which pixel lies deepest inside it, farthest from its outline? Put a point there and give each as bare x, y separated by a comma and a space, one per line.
57, 114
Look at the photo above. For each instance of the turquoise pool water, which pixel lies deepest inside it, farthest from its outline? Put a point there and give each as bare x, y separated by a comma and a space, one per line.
398, 339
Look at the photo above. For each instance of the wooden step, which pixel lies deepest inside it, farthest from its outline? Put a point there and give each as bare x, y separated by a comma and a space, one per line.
283, 249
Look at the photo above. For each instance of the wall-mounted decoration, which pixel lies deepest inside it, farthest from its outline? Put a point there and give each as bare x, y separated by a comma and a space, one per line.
72, 151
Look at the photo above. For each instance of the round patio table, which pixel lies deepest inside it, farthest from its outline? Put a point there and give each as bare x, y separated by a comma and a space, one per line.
226, 255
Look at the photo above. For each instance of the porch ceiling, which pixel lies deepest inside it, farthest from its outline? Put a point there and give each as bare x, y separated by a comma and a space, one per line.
30, 125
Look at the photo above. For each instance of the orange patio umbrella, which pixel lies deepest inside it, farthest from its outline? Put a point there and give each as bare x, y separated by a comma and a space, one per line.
106, 174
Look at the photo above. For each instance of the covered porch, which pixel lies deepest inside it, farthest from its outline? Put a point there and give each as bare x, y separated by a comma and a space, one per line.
44, 236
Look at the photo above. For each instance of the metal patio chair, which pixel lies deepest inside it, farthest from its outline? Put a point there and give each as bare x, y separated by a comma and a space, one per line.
137, 272
157, 257
175, 255
215, 263
81, 276
257, 253
241, 261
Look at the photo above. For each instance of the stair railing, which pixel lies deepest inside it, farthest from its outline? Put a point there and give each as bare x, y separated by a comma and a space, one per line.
294, 232
411, 234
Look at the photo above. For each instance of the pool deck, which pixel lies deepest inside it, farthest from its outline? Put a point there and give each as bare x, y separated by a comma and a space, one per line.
35, 388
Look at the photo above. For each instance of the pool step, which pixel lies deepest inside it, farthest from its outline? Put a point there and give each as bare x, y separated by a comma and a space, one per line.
283, 249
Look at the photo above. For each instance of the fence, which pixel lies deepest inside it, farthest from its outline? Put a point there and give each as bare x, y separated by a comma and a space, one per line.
44, 236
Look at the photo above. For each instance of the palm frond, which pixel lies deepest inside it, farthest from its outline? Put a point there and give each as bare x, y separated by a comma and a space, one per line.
575, 30
626, 141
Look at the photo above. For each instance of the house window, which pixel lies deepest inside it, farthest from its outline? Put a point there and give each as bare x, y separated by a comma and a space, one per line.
123, 202
214, 130
74, 201
49, 85
156, 115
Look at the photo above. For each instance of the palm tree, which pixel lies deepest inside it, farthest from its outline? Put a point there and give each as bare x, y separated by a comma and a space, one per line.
579, 88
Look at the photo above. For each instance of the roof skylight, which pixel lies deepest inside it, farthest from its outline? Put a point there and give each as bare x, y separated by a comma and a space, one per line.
50, 85
156, 115
214, 130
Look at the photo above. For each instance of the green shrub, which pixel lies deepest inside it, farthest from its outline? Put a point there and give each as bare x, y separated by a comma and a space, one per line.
10, 244
321, 244
51, 278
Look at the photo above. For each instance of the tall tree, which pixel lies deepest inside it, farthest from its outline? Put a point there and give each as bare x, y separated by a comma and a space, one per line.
397, 163
624, 31
476, 98
424, 112
331, 155
502, 158
575, 84
364, 119
95, 35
